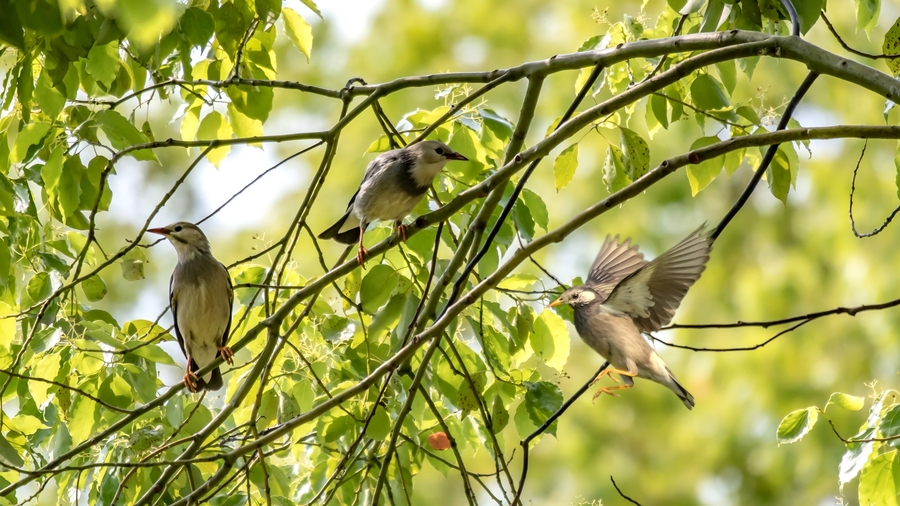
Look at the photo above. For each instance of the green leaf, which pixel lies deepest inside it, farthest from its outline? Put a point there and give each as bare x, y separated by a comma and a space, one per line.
878, 483
499, 416
867, 14
565, 165
796, 424
152, 353
214, 126
846, 401
659, 105
69, 193
10, 26
298, 30
51, 173
614, 170
37, 289
268, 10
728, 75
312, 6
377, 286
635, 154
380, 425
122, 134
808, 11
9, 454
27, 424
542, 399
31, 135
856, 457
551, 339
889, 425
94, 288
243, 125
779, 175
703, 173
537, 208
103, 63
468, 396
42, 16
48, 98
198, 26
116, 391
691, 6
891, 45
708, 94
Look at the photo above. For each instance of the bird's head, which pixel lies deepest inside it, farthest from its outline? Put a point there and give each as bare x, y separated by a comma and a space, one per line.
187, 238
578, 296
429, 157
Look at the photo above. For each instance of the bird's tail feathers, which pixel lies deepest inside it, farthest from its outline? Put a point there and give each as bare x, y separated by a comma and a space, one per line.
344, 231
680, 391
213, 383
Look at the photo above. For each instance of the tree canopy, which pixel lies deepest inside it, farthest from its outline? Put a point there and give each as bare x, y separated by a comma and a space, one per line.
438, 374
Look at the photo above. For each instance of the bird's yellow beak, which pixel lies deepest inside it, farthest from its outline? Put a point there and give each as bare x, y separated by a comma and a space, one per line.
556, 302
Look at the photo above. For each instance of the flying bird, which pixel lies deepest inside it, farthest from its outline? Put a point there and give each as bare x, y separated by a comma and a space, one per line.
393, 185
200, 296
624, 296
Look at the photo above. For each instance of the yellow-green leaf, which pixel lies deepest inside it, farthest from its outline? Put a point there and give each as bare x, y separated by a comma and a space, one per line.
214, 126
298, 30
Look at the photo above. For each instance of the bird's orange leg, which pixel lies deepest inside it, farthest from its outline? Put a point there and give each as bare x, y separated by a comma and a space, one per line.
609, 371
361, 252
401, 230
609, 390
190, 379
227, 354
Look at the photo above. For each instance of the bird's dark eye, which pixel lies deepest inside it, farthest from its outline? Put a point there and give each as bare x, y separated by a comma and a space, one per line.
178, 228
439, 151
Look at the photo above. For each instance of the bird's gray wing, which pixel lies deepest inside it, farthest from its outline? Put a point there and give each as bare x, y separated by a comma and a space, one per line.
377, 166
613, 264
225, 336
651, 294
173, 305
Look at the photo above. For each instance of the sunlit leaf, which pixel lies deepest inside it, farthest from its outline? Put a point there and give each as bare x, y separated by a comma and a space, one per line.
565, 165
214, 126
846, 401
879, 481
298, 30
796, 425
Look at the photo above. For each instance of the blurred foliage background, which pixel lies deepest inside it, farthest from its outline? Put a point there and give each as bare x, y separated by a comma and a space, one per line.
774, 261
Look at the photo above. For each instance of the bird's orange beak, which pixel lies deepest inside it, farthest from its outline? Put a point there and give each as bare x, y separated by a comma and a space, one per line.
160, 230
457, 156
557, 302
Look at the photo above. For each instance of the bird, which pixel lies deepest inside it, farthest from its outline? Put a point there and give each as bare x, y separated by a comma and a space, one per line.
200, 297
393, 185
624, 296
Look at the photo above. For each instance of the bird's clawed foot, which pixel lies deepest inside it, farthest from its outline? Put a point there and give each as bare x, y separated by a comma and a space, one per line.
609, 372
190, 379
401, 231
227, 354
609, 390
361, 254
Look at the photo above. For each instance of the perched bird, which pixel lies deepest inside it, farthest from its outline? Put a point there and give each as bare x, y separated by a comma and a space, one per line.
200, 296
393, 185
624, 296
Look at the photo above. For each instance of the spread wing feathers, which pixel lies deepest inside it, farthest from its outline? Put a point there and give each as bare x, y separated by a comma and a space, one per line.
613, 264
651, 294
